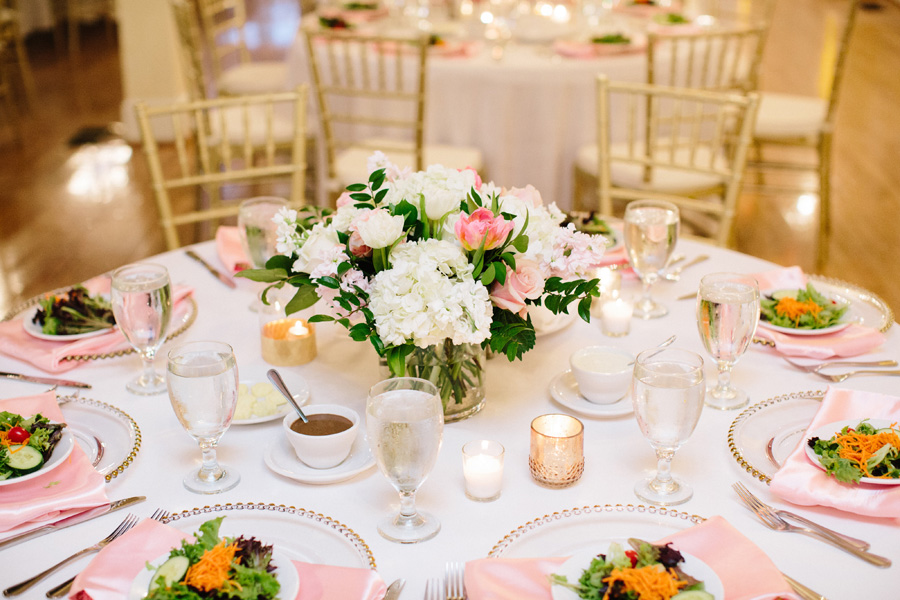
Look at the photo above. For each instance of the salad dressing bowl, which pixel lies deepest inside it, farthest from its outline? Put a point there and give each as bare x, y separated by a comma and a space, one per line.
322, 450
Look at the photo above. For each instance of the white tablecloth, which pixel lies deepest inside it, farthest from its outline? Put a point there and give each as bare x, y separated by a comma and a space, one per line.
615, 452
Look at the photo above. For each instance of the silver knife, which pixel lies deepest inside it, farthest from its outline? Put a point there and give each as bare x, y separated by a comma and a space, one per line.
393, 590
218, 274
45, 380
73, 520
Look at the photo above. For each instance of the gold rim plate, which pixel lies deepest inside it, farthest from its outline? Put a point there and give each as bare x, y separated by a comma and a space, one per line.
108, 435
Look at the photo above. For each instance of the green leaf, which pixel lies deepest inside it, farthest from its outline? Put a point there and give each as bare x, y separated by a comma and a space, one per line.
380, 195
321, 318
360, 196
584, 309
521, 243
263, 275
280, 261
356, 187
305, 297
510, 259
329, 282
344, 267
376, 175
487, 277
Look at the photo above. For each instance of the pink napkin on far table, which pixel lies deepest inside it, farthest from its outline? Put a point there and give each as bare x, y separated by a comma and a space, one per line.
71, 488
801, 482
110, 574
851, 341
230, 250
48, 355
745, 571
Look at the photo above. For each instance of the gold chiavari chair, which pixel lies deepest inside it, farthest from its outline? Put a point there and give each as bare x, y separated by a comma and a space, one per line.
223, 23
12, 50
218, 142
199, 81
371, 96
808, 122
687, 140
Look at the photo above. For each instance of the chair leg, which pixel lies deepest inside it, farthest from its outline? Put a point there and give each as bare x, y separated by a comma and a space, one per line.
824, 150
25, 72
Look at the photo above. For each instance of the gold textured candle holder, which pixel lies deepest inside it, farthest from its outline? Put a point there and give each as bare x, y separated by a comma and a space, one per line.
557, 450
288, 342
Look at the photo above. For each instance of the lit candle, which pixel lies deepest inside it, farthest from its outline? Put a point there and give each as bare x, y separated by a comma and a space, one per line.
556, 458
288, 342
615, 317
610, 281
483, 470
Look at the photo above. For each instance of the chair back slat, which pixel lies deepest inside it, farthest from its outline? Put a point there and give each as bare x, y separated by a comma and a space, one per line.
223, 25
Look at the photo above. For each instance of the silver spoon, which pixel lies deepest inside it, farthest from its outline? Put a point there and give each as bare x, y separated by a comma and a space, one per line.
668, 342
278, 382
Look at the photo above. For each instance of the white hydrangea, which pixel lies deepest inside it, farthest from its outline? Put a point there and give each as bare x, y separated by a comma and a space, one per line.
442, 188
345, 215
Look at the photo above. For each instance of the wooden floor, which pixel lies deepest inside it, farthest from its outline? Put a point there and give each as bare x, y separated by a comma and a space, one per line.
67, 214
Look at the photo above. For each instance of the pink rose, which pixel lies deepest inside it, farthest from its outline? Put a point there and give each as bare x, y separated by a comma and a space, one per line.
482, 225
528, 195
357, 246
343, 200
526, 281
478, 181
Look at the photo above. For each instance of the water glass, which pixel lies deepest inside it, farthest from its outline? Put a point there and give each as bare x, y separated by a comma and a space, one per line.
202, 379
727, 316
257, 229
405, 424
651, 232
141, 298
667, 395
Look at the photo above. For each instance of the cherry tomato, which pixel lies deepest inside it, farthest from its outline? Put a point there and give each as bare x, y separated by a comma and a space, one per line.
632, 555
17, 435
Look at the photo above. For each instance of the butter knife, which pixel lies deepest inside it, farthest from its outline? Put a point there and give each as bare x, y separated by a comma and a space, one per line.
217, 274
393, 590
73, 520
45, 380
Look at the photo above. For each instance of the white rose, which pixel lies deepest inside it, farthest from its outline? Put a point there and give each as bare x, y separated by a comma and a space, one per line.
316, 249
378, 229
439, 202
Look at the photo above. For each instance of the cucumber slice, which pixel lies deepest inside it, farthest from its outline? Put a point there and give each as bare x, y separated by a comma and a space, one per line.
693, 595
170, 571
779, 294
25, 459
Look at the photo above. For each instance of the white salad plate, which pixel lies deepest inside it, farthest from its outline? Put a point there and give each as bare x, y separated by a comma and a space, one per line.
564, 389
295, 383
60, 453
576, 565
285, 572
281, 458
34, 330
831, 429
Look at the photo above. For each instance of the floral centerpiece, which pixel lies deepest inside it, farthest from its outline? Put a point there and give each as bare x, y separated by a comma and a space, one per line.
432, 268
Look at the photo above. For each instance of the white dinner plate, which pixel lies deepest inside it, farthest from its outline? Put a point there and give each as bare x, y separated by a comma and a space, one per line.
281, 458
564, 390
285, 572
294, 382
828, 431
693, 566
61, 452
844, 324
34, 330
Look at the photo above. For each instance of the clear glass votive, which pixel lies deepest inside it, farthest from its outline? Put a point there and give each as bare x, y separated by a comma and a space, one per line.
285, 341
557, 450
483, 469
615, 316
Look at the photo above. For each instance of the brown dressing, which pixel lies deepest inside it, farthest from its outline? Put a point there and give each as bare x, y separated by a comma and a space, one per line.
322, 424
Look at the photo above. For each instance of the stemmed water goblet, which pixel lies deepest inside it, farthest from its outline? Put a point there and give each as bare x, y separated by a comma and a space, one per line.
404, 423
668, 398
651, 232
202, 378
727, 316
258, 231
141, 298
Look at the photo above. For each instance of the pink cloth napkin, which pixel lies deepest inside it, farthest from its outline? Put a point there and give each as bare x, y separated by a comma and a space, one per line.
745, 571
851, 341
590, 50
230, 250
48, 355
110, 574
801, 482
71, 488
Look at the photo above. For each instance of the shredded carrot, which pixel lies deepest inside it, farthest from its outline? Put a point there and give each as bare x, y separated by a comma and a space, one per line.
211, 571
859, 448
652, 582
793, 309
4, 441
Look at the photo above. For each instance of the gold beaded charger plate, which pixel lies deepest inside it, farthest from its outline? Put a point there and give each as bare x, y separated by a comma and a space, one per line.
764, 435
108, 435
576, 530
865, 308
296, 533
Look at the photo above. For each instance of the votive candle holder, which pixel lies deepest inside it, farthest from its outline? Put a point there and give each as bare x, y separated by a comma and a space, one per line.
557, 450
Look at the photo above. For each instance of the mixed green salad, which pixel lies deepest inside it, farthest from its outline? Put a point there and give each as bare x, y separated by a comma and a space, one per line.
671, 19
611, 38
861, 451
74, 312
646, 571
216, 568
591, 222
26, 443
801, 309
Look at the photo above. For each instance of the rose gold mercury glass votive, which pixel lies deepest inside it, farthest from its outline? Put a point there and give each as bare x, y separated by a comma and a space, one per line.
557, 450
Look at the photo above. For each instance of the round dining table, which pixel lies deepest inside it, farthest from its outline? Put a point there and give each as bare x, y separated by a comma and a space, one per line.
616, 454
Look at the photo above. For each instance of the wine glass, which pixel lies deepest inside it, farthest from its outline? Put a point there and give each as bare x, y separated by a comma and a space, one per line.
142, 303
202, 378
727, 315
668, 398
404, 423
651, 231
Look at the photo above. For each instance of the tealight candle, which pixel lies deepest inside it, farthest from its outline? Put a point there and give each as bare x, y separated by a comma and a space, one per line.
557, 450
287, 342
483, 470
610, 281
615, 317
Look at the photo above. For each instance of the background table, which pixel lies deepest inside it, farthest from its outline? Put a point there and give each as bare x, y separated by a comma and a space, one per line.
616, 454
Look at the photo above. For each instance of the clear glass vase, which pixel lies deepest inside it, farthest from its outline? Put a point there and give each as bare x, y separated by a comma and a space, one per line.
458, 372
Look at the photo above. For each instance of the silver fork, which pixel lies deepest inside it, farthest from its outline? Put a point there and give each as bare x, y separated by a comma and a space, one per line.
840, 363
124, 526
842, 376
455, 578
675, 274
775, 522
63, 588
434, 589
